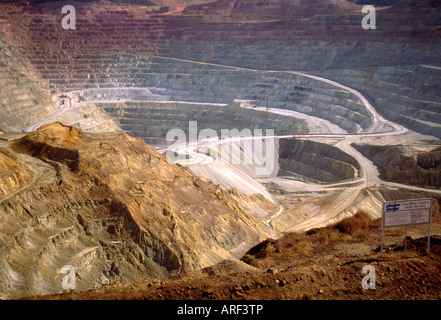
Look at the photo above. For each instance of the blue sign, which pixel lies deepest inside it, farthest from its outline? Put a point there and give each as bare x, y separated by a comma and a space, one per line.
393, 207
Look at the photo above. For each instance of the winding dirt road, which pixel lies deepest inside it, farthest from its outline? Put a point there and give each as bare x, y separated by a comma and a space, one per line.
348, 192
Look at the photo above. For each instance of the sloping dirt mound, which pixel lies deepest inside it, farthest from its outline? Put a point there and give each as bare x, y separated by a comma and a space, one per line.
53, 142
13, 174
228, 266
116, 210
326, 263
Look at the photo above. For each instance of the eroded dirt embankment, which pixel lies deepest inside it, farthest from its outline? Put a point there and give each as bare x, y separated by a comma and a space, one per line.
113, 224
13, 173
323, 263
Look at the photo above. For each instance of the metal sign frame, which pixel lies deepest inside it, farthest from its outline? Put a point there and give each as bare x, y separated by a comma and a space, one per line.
395, 205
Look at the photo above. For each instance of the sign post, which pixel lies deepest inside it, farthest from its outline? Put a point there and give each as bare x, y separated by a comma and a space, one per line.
406, 213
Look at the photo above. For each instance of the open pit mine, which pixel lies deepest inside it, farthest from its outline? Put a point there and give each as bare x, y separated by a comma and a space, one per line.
143, 141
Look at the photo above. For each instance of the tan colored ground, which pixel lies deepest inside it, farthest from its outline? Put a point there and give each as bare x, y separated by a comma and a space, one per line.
320, 264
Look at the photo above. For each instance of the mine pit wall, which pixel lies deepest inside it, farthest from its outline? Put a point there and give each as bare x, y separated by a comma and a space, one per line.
151, 121
407, 94
195, 82
214, 85
130, 93
395, 163
314, 160
132, 55
22, 102
306, 55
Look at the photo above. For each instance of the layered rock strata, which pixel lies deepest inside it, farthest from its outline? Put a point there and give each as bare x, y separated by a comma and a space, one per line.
406, 164
317, 161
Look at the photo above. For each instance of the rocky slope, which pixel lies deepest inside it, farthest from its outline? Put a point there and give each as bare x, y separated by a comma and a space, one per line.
13, 173
25, 104
151, 121
112, 207
406, 164
322, 264
315, 160
22, 102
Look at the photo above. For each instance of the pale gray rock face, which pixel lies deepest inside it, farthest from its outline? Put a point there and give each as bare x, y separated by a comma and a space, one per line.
317, 161
406, 165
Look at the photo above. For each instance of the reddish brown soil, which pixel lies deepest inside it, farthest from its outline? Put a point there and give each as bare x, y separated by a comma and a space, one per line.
320, 264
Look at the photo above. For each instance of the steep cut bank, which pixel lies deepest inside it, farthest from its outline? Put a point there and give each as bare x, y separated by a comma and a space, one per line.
99, 206
406, 94
406, 164
315, 160
13, 173
321, 264
24, 104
